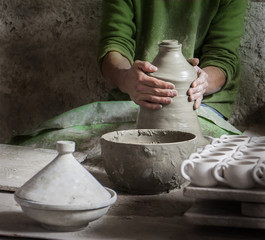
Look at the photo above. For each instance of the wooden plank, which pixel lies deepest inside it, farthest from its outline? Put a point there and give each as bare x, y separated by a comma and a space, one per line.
18, 164
222, 213
225, 193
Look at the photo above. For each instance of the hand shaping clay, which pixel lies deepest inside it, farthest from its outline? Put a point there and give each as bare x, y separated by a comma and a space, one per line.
179, 115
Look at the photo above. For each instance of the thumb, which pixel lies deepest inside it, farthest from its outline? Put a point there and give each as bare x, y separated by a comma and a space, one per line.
193, 61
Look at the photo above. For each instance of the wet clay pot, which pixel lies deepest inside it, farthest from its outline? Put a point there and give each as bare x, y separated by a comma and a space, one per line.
146, 161
179, 115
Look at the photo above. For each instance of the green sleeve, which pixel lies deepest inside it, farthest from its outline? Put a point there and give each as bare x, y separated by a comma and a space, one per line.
220, 49
117, 29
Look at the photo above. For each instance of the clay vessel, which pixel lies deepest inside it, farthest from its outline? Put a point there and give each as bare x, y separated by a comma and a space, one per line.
64, 196
179, 115
146, 161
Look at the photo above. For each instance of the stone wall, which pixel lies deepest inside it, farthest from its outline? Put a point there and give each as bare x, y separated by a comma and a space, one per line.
250, 108
48, 61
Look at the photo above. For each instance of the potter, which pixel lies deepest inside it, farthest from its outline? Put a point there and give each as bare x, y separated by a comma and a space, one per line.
199, 171
236, 174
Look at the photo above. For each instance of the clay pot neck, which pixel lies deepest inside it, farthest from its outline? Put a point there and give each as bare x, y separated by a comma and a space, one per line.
170, 44
170, 48
172, 65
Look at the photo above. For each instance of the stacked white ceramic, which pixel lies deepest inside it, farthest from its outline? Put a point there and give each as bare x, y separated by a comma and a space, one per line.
64, 196
235, 161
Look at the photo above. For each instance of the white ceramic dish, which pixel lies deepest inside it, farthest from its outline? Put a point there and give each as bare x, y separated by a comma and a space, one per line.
64, 196
65, 218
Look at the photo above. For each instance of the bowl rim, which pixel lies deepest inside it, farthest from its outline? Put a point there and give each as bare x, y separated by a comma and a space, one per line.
92, 206
104, 137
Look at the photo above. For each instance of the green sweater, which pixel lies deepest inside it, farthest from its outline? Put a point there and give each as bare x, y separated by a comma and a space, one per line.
207, 29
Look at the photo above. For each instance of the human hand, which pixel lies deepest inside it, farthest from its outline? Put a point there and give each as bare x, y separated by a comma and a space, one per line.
146, 90
199, 85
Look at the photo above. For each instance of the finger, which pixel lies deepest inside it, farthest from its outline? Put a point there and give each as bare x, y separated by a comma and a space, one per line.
198, 69
143, 89
197, 95
145, 66
197, 103
200, 80
151, 81
153, 102
200, 89
193, 61
154, 99
156, 83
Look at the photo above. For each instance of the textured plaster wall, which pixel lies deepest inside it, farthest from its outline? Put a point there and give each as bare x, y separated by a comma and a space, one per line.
48, 61
250, 106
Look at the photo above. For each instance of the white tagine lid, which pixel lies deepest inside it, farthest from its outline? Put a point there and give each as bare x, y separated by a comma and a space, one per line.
65, 183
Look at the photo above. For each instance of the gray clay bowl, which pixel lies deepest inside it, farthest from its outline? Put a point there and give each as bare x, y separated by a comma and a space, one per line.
145, 161
65, 218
